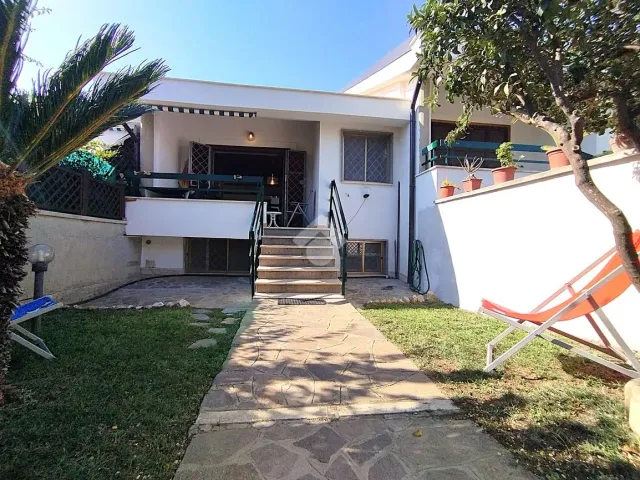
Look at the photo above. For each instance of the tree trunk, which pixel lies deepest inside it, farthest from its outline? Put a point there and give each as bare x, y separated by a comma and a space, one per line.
15, 211
622, 232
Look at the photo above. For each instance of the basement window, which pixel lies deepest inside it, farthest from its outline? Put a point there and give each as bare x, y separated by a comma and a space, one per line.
366, 257
366, 157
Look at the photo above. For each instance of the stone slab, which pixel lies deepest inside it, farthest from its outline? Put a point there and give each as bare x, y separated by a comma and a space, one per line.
448, 450
217, 330
204, 343
200, 317
229, 321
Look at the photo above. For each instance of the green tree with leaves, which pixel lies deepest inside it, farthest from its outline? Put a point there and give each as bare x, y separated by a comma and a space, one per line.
63, 111
565, 66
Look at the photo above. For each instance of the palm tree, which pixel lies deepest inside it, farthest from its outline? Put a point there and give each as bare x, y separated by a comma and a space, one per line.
63, 111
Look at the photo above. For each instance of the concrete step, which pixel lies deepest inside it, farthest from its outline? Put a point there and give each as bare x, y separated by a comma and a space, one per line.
297, 240
297, 272
298, 250
296, 232
296, 261
292, 286
330, 297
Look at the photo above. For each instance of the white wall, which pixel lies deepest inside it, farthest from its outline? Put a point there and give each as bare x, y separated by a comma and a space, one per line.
596, 144
162, 255
516, 245
177, 217
93, 255
377, 219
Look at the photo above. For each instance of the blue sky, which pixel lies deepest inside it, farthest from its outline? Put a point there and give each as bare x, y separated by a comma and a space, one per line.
311, 44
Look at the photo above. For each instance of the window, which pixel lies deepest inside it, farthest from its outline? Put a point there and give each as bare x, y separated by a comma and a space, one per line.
366, 157
365, 257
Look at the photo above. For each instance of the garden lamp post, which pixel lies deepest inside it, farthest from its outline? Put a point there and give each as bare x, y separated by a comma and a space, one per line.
40, 256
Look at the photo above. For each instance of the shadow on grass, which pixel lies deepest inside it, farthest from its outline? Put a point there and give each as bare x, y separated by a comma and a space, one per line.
580, 367
547, 447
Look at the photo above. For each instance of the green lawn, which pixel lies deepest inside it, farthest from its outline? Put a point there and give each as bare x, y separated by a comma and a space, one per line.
560, 415
117, 402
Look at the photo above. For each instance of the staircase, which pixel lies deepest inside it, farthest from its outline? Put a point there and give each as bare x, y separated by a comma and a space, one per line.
297, 262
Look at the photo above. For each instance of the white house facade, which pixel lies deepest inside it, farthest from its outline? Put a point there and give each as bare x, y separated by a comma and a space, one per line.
295, 143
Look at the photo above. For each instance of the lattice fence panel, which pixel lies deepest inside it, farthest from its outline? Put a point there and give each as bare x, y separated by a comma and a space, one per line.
127, 159
105, 200
218, 254
197, 248
354, 257
59, 190
200, 162
373, 257
296, 177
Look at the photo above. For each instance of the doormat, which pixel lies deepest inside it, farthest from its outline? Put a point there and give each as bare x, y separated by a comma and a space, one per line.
301, 301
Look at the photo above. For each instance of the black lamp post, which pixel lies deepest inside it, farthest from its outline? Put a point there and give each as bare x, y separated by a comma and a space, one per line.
39, 256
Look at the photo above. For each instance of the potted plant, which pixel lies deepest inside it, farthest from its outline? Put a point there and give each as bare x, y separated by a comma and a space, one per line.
556, 156
447, 189
507, 171
471, 167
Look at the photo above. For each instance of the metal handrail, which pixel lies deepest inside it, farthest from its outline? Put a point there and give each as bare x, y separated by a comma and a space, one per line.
341, 229
256, 230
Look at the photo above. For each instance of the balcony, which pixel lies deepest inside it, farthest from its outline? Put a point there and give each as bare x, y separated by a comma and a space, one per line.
191, 206
439, 152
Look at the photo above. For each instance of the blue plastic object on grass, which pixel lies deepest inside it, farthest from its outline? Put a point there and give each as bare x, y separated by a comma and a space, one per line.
32, 306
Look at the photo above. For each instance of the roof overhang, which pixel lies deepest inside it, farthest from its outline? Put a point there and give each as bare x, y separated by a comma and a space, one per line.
393, 66
282, 103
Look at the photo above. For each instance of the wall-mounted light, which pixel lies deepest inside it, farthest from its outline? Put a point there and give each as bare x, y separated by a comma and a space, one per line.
251, 136
272, 180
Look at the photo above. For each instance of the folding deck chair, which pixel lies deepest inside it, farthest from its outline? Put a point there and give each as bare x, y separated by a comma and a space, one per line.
607, 285
28, 311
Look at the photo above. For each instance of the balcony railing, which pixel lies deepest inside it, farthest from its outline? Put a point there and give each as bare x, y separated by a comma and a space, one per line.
199, 186
439, 152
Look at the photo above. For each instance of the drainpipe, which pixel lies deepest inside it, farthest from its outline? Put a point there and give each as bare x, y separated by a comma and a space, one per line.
412, 173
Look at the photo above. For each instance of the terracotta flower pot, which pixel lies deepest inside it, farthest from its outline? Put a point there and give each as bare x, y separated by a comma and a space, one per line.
472, 184
557, 158
503, 174
447, 191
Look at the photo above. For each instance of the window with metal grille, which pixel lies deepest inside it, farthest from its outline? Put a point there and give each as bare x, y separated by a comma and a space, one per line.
217, 255
366, 157
365, 257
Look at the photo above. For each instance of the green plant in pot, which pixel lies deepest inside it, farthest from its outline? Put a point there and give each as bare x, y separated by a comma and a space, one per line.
507, 169
557, 157
471, 166
447, 189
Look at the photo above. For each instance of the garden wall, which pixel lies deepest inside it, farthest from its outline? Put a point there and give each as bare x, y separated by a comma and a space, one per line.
93, 255
517, 243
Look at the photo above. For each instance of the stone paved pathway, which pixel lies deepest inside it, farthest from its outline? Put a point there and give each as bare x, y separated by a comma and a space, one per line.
379, 447
310, 356
316, 392
221, 292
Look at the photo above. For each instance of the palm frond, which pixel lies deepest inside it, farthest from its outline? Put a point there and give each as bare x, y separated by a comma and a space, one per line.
109, 101
55, 93
14, 22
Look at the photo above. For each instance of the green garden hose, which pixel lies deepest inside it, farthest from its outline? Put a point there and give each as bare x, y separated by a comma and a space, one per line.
418, 261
